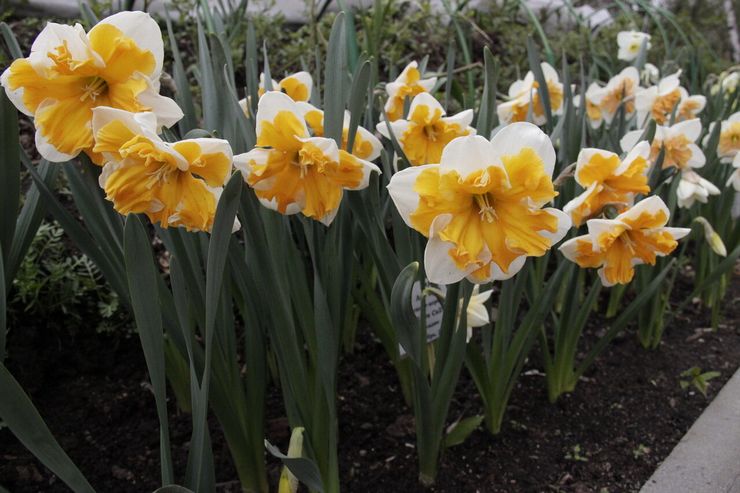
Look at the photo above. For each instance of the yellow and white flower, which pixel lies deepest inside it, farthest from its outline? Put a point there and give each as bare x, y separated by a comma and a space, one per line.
678, 141
524, 94
729, 138
366, 145
291, 171
482, 206
658, 101
70, 72
730, 82
427, 130
298, 86
608, 181
174, 184
406, 85
734, 179
630, 42
690, 106
614, 246
693, 188
602, 102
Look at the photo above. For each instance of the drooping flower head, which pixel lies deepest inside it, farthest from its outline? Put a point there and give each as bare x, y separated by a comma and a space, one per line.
614, 246
602, 103
70, 72
174, 184
524, 94
365, 146
729, 138
608, 181
678, 141
630, 42
694, 188
477, 314
482, 206
291, 171
298, 86
406, 85
427, 130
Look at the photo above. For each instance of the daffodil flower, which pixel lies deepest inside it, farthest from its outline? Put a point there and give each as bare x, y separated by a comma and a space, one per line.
524, 94
650, 74
406, 85
678, 141
608, 181
593, 109
729, 138
602, 103
427, 130
629, 43
70, 72
477, 314
291, 171
174, 184
366, 145
693, 188
298, 86
734, 179
614, 246
660, 100
482, 206
689, 106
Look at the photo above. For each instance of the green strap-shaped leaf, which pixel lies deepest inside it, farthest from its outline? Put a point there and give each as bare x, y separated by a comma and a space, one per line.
172, 488
3, 309
336, 70
29, 219
215, 266
22, 418
10, 173
142, 280
487, 117
402, 313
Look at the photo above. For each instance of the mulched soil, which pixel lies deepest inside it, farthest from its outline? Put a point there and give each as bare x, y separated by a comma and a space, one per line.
609, 435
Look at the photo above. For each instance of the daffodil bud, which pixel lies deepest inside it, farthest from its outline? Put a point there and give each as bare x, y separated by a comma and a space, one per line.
288, 482
714, 240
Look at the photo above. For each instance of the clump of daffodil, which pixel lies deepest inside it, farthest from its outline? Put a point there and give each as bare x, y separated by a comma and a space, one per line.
614, 246
291, 171
660, 101
70, 72
729, 138
524, 96
608, 181
678, 142
298, 86
365, 146
602, 102
482, 206
427, 130
630, 43
174, 184
406, 85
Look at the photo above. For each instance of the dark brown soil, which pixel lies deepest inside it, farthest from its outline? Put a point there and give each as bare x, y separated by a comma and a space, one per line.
609, 435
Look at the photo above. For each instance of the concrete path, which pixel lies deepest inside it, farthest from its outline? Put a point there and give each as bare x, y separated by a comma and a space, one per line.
707, 459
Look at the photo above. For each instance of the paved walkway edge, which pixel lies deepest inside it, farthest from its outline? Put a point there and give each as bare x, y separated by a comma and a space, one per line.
707, 459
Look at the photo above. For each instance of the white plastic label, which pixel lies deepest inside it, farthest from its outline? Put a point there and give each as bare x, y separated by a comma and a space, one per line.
434, 309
